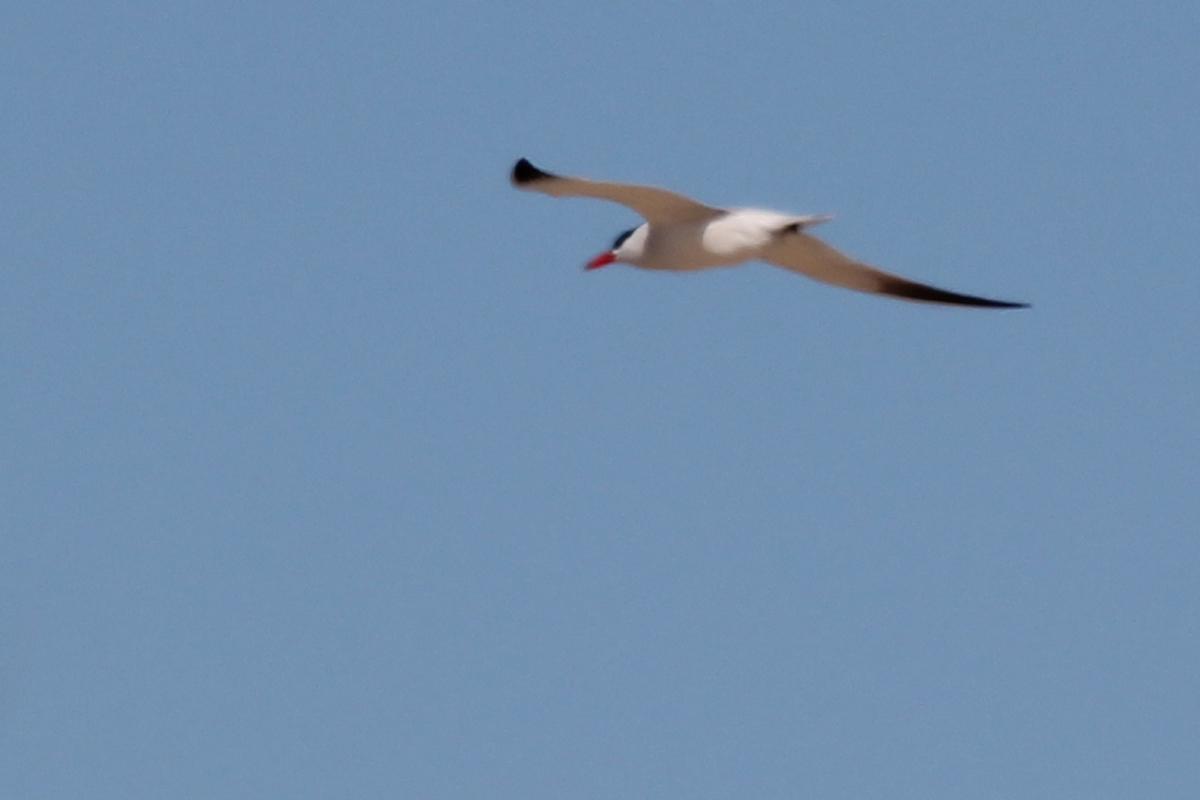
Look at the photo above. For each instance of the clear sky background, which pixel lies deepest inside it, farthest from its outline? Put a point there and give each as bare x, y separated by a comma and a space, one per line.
326, 472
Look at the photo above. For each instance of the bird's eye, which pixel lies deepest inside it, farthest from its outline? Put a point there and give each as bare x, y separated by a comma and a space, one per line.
620, 240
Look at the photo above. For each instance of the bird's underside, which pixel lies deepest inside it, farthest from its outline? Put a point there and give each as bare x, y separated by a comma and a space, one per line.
708, 236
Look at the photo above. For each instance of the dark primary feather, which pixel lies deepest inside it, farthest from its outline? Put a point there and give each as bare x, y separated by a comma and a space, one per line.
524, 172
909, 290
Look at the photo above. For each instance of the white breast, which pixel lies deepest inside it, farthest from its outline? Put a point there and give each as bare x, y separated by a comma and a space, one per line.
732, 238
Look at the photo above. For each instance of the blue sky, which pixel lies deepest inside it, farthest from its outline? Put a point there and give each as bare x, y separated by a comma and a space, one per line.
328, 473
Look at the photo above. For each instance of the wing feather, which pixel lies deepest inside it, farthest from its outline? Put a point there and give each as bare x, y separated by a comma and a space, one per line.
808, 255
658, 206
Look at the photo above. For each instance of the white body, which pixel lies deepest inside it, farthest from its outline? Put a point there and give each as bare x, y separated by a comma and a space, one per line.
731, 238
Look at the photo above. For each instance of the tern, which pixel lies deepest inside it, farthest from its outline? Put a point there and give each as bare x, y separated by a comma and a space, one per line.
683, 234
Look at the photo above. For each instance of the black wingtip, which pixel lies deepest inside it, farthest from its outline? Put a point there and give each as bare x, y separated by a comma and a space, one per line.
523, 172
928, 294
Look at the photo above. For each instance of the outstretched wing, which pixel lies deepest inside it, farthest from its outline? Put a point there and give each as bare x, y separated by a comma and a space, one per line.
800, 252
656, 205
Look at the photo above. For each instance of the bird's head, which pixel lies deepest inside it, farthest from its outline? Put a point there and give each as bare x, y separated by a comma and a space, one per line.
626, 248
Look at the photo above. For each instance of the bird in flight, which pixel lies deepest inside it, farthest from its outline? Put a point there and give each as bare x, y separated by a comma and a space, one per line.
682, 234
